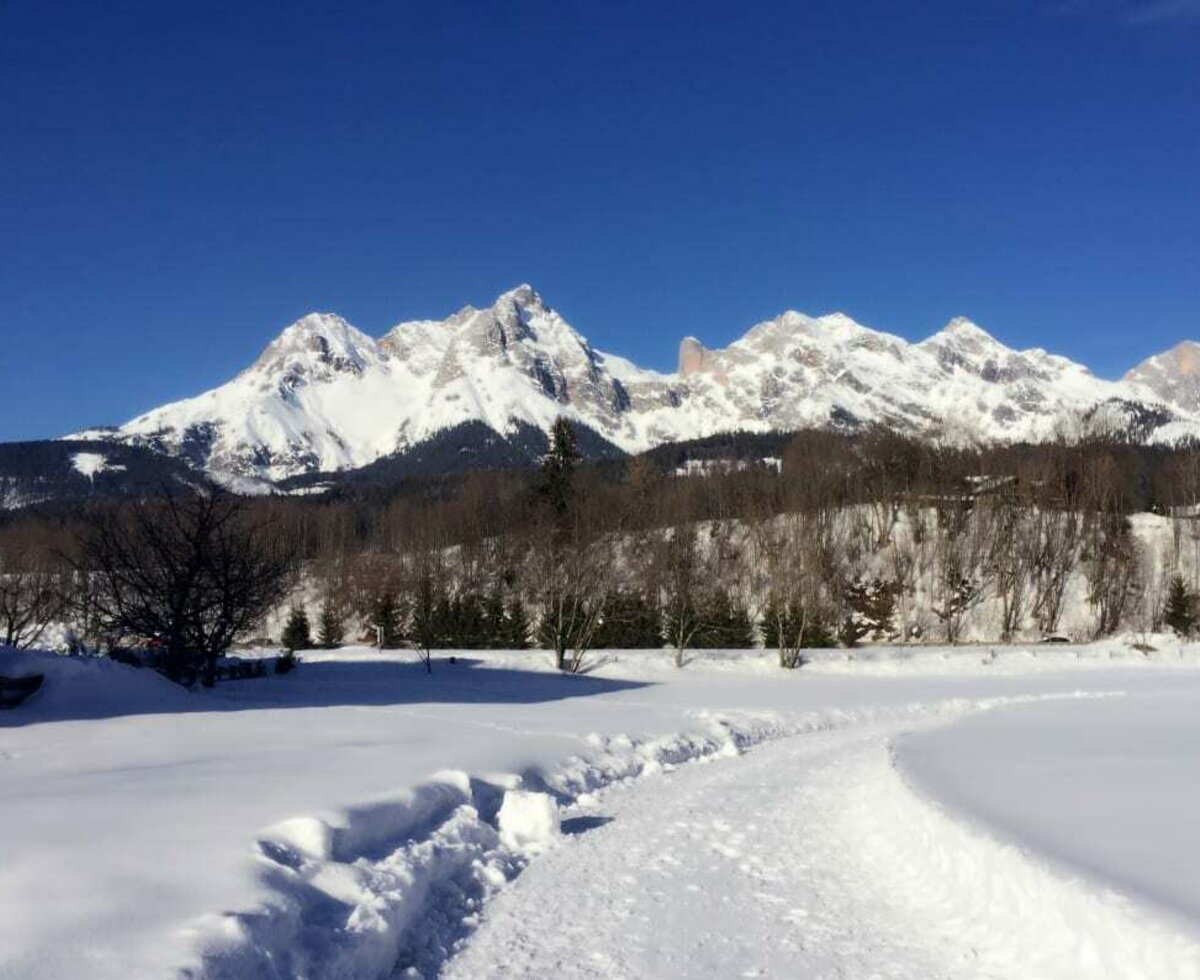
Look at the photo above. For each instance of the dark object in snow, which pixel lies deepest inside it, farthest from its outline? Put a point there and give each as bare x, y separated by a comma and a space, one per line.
1056, 639
15, 690
286, 662
454, 660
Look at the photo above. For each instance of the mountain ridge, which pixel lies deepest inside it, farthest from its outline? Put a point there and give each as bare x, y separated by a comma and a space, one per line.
323, 396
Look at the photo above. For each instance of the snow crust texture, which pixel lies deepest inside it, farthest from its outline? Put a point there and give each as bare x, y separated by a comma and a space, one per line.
324, 396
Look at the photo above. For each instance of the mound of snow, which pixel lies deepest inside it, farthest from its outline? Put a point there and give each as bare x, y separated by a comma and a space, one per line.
88, 687
528, 821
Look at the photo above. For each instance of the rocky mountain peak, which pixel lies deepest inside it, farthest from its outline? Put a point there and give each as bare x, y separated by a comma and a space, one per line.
318, 339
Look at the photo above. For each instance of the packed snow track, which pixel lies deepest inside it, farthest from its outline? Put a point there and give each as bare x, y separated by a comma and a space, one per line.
809, 857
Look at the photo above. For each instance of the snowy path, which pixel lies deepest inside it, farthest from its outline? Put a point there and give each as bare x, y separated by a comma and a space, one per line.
734, 868
808, 857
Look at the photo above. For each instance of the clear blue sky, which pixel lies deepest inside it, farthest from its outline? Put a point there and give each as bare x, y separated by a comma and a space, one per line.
178, 181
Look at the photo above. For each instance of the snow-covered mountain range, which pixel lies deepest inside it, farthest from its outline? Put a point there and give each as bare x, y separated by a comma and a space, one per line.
324, 396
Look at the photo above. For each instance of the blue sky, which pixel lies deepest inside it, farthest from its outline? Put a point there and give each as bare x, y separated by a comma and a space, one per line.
179, 181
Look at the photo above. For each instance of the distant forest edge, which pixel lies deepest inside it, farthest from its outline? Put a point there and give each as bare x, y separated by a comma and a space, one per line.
789, 541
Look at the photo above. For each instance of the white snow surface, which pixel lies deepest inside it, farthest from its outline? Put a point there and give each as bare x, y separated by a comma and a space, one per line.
325, 396
357, 818
1108, 790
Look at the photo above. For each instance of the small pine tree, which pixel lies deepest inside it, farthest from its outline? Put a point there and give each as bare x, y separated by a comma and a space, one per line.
872, 608
470, 621
493, 621
516, 626
1180, 610
431, 619
881, 608
387, 618
630, 623
854, 625
444, 627
725, 624
296, 635
330, 629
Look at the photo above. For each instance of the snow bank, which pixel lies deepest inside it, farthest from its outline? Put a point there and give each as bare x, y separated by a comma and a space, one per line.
87, 687
402, 880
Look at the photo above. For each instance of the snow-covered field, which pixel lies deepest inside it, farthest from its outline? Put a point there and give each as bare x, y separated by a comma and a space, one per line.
941, 813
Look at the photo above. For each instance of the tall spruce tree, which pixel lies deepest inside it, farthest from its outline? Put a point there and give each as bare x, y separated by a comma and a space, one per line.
557, 487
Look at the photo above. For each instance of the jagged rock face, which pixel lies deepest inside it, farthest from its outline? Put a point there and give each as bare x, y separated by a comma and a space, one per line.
325, 396
691, 357
1173, 376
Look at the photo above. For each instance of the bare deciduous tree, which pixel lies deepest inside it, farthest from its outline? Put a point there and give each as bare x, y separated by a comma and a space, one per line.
962, 538
191, 573
33, 591
683, 577
793, 553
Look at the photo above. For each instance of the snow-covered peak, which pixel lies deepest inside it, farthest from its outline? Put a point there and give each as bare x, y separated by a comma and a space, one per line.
961, 326
963, 334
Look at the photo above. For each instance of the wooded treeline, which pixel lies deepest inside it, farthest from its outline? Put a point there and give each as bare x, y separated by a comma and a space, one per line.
840, 539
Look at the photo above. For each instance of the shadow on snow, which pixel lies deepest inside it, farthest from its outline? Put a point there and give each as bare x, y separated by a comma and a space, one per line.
91, 689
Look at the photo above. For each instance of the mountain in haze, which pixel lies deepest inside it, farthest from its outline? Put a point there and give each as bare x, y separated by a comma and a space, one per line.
324, 396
